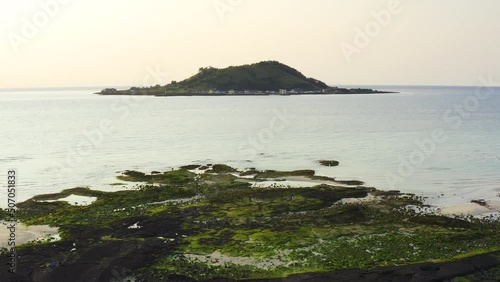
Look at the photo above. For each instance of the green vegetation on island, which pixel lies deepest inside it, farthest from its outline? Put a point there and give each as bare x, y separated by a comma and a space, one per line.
264, 78
208, 222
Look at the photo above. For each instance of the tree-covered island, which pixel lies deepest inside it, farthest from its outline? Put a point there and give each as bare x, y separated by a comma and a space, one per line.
264, 78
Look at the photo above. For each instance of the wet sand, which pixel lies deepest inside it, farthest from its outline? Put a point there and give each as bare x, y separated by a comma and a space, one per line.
472, 209
25, 234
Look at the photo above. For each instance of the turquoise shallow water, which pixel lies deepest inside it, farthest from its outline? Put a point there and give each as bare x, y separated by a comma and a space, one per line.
58, 139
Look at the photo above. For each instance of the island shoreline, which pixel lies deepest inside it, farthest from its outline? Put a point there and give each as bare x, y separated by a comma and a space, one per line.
241, 94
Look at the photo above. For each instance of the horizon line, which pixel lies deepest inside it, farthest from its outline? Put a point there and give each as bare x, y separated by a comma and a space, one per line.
126, 87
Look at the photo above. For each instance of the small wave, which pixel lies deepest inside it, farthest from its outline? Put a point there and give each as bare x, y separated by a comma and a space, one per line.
12, 159
439, 168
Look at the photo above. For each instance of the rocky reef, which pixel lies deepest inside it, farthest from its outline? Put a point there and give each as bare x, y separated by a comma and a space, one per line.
212, 222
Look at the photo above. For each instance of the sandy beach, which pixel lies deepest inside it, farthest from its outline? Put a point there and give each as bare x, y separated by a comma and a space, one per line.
473, 209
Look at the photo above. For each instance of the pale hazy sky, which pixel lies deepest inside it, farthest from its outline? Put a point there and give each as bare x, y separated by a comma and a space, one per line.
116, 42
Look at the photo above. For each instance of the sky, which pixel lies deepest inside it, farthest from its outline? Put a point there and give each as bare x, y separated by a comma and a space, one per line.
66, 43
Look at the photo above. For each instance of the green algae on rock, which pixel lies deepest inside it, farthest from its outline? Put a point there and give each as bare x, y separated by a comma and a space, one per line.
216, 224
329, 163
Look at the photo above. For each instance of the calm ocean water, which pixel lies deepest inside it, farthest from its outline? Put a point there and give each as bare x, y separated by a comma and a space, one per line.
59, 139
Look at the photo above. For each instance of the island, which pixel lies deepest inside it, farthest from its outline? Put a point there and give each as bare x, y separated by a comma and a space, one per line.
214, 222
260, 79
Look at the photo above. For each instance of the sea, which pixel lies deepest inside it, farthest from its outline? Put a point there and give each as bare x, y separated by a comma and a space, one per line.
439, 142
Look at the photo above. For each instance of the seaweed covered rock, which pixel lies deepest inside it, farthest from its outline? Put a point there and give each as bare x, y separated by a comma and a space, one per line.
329, 163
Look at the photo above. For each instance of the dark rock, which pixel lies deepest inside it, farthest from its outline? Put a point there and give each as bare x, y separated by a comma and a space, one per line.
480, 202
329, 163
